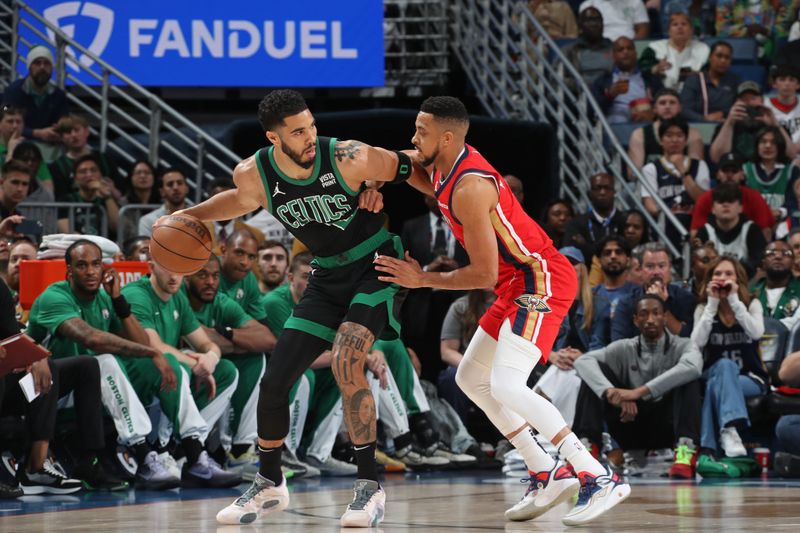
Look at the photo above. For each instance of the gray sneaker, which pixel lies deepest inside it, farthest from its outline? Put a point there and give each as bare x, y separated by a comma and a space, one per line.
414, 459
367, 509
49, 480
153, 475
300, 469
332, 467
206, 472
457, 460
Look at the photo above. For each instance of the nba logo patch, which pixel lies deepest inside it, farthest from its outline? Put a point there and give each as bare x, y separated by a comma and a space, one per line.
175, 314
106, 314
532, 303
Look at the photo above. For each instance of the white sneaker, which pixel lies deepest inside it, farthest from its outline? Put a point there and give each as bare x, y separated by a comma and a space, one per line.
546, 490
170, 464
369, 501
598, 494
731, 442
262, 498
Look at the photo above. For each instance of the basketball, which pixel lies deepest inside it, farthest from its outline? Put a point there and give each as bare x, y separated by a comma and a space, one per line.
181, 244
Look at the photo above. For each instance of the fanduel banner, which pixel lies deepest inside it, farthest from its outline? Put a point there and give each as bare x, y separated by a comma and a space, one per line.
306, 43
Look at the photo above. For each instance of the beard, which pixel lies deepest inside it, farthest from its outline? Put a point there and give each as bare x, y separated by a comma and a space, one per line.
297, 157
778, 273
428, 161
614, 269
41, 78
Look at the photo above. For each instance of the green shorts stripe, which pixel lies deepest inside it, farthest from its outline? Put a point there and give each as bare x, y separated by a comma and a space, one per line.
312, 328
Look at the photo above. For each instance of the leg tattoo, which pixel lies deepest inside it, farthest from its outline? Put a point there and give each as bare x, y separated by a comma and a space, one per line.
350, 350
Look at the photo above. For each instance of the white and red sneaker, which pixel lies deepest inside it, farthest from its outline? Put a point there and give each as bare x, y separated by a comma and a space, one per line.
546, 490
598, 495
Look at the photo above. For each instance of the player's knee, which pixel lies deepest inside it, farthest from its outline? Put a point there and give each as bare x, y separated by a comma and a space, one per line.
507, 387
272, 386
225, 374
90, 368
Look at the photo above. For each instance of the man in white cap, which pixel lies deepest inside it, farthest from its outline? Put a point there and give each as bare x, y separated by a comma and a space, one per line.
43, 102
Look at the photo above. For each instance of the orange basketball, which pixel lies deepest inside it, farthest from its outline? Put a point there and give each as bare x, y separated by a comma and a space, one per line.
181, 244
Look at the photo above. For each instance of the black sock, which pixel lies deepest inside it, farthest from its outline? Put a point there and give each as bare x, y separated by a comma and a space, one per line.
239, 449
365, 459
140, 451
270, 464
401, 441
193, 449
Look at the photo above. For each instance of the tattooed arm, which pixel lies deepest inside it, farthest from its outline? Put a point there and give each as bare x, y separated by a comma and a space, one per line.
98, 341
359, 162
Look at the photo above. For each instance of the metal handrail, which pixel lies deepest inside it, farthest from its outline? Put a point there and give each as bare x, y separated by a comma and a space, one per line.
159, 115
122, 228
73, 206
518, 77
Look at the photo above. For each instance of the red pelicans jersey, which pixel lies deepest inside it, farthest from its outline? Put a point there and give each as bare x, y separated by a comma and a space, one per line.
535, 285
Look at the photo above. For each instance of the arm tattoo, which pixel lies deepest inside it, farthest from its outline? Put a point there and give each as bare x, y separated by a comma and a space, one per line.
346, 149
83, 334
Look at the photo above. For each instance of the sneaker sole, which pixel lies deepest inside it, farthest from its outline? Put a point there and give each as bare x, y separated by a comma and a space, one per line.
191, 482
377, 519
157, 485
268, 507
32, 490
618, 495
108, 488
534, 511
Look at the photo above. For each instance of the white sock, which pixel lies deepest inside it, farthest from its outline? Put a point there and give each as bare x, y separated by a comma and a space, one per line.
534, 456
579, 457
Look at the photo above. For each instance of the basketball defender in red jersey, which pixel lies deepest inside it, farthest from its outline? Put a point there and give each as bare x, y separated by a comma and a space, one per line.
535, 286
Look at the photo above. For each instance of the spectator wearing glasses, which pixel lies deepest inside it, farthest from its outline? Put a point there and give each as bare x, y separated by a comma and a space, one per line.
779, 290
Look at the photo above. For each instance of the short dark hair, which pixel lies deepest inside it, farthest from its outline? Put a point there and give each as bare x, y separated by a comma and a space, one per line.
445, 108
717, 44
244, 232
131, 242
666, 92
269, 243
169, 170
88, 157
6, 109
225, 183
303, 258
15, 165
674, 122
619, 239
278, 105
726, 193
653, 297
80, 242
27, 150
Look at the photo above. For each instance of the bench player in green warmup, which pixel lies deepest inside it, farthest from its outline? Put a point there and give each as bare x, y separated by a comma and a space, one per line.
311, 185
166, 316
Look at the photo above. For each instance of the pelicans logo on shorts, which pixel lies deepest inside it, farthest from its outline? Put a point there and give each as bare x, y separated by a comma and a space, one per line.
532, 303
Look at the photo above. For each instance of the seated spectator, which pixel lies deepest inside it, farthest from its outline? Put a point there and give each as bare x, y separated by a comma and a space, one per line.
700, 13
622, 18
710, 95
591, 53
644, 144
656, 279
222, 229
767, 22
41, 188
556, 17
676, 58
746, 118
603, 218
727, 326
754, 207
636, 274
516, 186
556, 215
615, 258
771, 173
788, 428
637, 384
458, 327
636, 229
15, 180
778, 291
173, 190
625, 93
732, 234
139, 187
273, 264
679, 180
788, 54
794, 241
22, 249
785, 106
11, 124
92, 189
136, 248
74, 131
44, 102
702, 257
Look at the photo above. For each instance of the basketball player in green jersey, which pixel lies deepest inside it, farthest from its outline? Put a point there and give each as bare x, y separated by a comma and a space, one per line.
311, 185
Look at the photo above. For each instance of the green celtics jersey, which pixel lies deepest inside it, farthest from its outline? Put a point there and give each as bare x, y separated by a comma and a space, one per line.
245, 292
57, 304
278, 305
171, 319
774, 192
223, 312
321, 211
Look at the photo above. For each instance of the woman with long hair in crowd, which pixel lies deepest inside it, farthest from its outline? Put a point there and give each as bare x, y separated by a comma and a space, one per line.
140, 184
772, 173
727, 326
555, 217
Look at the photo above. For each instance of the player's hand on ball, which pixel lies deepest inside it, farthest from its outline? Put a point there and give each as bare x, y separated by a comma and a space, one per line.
405, 272
168, 379
370, 200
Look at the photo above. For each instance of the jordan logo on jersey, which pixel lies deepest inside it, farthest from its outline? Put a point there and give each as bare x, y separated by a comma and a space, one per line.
277, 191
532, 303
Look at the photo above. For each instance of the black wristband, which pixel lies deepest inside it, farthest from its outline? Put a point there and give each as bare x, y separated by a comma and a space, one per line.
404, 168
121, 307
225, 332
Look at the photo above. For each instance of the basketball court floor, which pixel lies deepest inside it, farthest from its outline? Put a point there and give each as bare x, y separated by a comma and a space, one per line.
433, 502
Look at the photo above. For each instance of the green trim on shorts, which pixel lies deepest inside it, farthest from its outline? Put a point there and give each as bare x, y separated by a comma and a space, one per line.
376, 298
355, 253
312, 328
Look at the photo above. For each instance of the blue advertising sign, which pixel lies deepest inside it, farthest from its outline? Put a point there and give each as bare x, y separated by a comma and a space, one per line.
308, 43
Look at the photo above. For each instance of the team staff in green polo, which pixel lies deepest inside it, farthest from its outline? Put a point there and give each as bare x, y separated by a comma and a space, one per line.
166, 316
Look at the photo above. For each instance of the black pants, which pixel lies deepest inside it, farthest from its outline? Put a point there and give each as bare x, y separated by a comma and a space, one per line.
658, 424
79, 375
